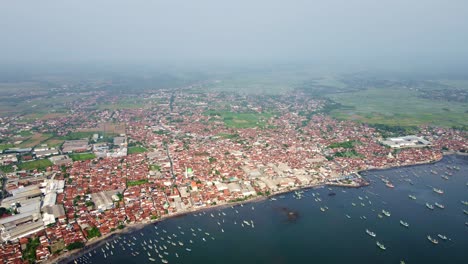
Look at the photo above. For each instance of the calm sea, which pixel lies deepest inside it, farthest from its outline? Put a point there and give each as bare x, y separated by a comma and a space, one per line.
293, 229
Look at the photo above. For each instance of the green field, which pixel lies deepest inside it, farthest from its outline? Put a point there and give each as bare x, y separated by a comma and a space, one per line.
135, 150
398, 106
82, 156
137, 182
241, 120
35, 164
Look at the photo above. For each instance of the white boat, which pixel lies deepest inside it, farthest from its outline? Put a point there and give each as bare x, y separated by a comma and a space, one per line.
403, 223
381, 246
433, 240
442, 237
430, 206
370, 233
387, 213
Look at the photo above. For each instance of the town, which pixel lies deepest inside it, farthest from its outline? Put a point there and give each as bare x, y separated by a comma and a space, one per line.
72, 179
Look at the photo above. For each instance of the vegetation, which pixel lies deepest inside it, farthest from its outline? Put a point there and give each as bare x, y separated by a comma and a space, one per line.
6, 146
345, 144
136, 149
241, 120
228, 136
75, 245
137, 182
29, 253
82, 156
93, 232
4, 212
398, 106
155, 167
348, 154
7, 168
41, 164
394, 131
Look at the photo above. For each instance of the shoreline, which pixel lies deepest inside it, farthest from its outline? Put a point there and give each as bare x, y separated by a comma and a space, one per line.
94, 243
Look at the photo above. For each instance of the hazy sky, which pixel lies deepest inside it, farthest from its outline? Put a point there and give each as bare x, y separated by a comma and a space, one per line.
366, 31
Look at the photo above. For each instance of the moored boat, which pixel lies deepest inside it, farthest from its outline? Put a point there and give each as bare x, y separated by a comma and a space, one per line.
387, 213
370, 233
381, 246
442, 237
403, 223
412, 197
439, 191
430, 206
433, 240
441, 206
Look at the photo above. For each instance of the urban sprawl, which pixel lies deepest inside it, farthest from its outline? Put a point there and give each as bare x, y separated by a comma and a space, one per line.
102, 169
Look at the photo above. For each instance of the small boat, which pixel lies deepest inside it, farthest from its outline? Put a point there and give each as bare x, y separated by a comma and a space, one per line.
353, 204
389, 185
430, 206
412, 197
188, 249
464, 202
433, 240
442, 237
381, 246
441, 206
152, 259
379, 215
164, 261
322, 209
387, 213
370, 233
403, 223
465, 211
445, 177
348, 216
439, 191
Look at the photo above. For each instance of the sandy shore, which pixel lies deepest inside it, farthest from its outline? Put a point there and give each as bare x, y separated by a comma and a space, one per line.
96, 242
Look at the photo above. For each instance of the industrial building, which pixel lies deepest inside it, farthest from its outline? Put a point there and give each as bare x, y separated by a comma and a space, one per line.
406, 142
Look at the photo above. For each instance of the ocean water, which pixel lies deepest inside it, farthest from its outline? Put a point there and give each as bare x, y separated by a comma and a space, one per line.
295, 230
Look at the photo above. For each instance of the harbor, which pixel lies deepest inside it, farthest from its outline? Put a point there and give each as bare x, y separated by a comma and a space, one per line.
289, 226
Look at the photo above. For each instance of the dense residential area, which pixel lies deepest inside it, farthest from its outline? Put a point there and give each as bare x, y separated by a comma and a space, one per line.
71, 178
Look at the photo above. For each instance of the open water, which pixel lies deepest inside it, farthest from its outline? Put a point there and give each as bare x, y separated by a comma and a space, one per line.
293, 229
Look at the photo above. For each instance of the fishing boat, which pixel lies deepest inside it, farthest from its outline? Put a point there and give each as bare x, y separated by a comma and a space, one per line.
164, 261
322, 209
403, 223
442, 237
188, 249
387, 213
152, 259
389, 185
381, 246
441, 206
439, 191
433, 240
430, 206
370, 233
412, 197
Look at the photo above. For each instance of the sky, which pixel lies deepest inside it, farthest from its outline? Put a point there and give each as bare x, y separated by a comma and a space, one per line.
354, 32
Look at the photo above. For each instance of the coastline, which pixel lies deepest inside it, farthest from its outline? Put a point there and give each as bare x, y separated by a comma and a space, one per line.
94, 243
